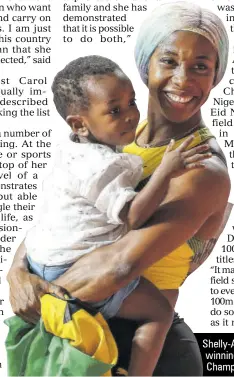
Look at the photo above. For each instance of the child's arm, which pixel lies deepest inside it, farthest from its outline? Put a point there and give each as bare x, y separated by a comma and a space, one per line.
174, 163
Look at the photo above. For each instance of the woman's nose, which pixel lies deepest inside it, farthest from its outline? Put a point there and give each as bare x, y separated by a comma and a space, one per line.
181, 77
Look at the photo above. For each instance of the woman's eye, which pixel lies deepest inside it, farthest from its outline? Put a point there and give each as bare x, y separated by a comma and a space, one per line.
200, 67
116, 110
168, 61
132, 102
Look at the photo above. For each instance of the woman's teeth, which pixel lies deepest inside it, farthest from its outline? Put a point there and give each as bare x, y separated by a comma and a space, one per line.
179, 99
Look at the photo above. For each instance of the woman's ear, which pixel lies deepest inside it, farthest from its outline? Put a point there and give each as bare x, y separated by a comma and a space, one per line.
214, 83
215, 75
78, 125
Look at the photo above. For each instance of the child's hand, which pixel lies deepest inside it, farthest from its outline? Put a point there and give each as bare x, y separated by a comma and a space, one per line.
176, 161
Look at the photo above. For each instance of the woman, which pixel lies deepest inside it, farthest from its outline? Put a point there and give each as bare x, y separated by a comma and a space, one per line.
181, 54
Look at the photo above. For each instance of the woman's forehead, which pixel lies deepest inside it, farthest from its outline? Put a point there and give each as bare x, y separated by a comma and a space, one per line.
187, 43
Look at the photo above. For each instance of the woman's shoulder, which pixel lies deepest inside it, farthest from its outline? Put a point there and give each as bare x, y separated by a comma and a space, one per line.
216, 172
217, 151
206, 189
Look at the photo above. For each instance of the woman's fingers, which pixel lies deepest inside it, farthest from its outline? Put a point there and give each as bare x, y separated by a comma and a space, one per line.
25, 292
57, 291
26, 305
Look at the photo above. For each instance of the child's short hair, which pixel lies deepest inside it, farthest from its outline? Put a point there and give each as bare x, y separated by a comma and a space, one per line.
69, 84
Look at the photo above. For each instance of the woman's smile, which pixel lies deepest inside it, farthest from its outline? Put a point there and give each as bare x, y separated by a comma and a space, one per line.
178, 104
178, 98
181, 75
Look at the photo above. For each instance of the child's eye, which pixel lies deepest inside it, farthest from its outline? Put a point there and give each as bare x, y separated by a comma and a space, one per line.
132, 102
116, 110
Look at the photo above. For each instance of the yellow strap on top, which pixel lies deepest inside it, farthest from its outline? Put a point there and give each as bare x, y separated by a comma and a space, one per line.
170, 271
152, 156
88, 333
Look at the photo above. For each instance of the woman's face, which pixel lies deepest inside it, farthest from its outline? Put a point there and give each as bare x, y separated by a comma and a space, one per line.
181, 74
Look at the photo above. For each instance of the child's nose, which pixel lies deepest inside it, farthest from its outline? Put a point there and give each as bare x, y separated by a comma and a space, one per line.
128, 119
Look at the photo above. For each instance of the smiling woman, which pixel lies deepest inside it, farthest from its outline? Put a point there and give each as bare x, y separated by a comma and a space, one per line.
181, 76
181, 16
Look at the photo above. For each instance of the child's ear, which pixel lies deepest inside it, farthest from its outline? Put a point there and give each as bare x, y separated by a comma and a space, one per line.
77, 124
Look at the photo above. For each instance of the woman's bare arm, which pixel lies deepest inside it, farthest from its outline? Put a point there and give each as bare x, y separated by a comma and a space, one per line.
191, 200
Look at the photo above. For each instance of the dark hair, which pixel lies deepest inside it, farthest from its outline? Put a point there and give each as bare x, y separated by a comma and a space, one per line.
69, 84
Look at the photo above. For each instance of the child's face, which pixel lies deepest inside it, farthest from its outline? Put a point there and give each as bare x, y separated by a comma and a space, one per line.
112, 115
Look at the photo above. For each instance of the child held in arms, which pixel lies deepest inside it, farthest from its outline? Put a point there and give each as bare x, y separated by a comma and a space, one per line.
89, 198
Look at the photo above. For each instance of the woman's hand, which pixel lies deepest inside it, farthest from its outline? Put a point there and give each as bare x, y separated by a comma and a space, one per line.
26, 289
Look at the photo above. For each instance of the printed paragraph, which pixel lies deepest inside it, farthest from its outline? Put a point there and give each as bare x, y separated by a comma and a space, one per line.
25, 32
222, 285
24, 154
24, 97
229, 13
106, 22
222, 107
217, 353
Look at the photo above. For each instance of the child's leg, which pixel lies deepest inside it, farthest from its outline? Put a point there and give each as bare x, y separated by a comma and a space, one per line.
146, 303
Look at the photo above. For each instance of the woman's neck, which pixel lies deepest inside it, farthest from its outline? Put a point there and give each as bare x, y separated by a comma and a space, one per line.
160, 130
